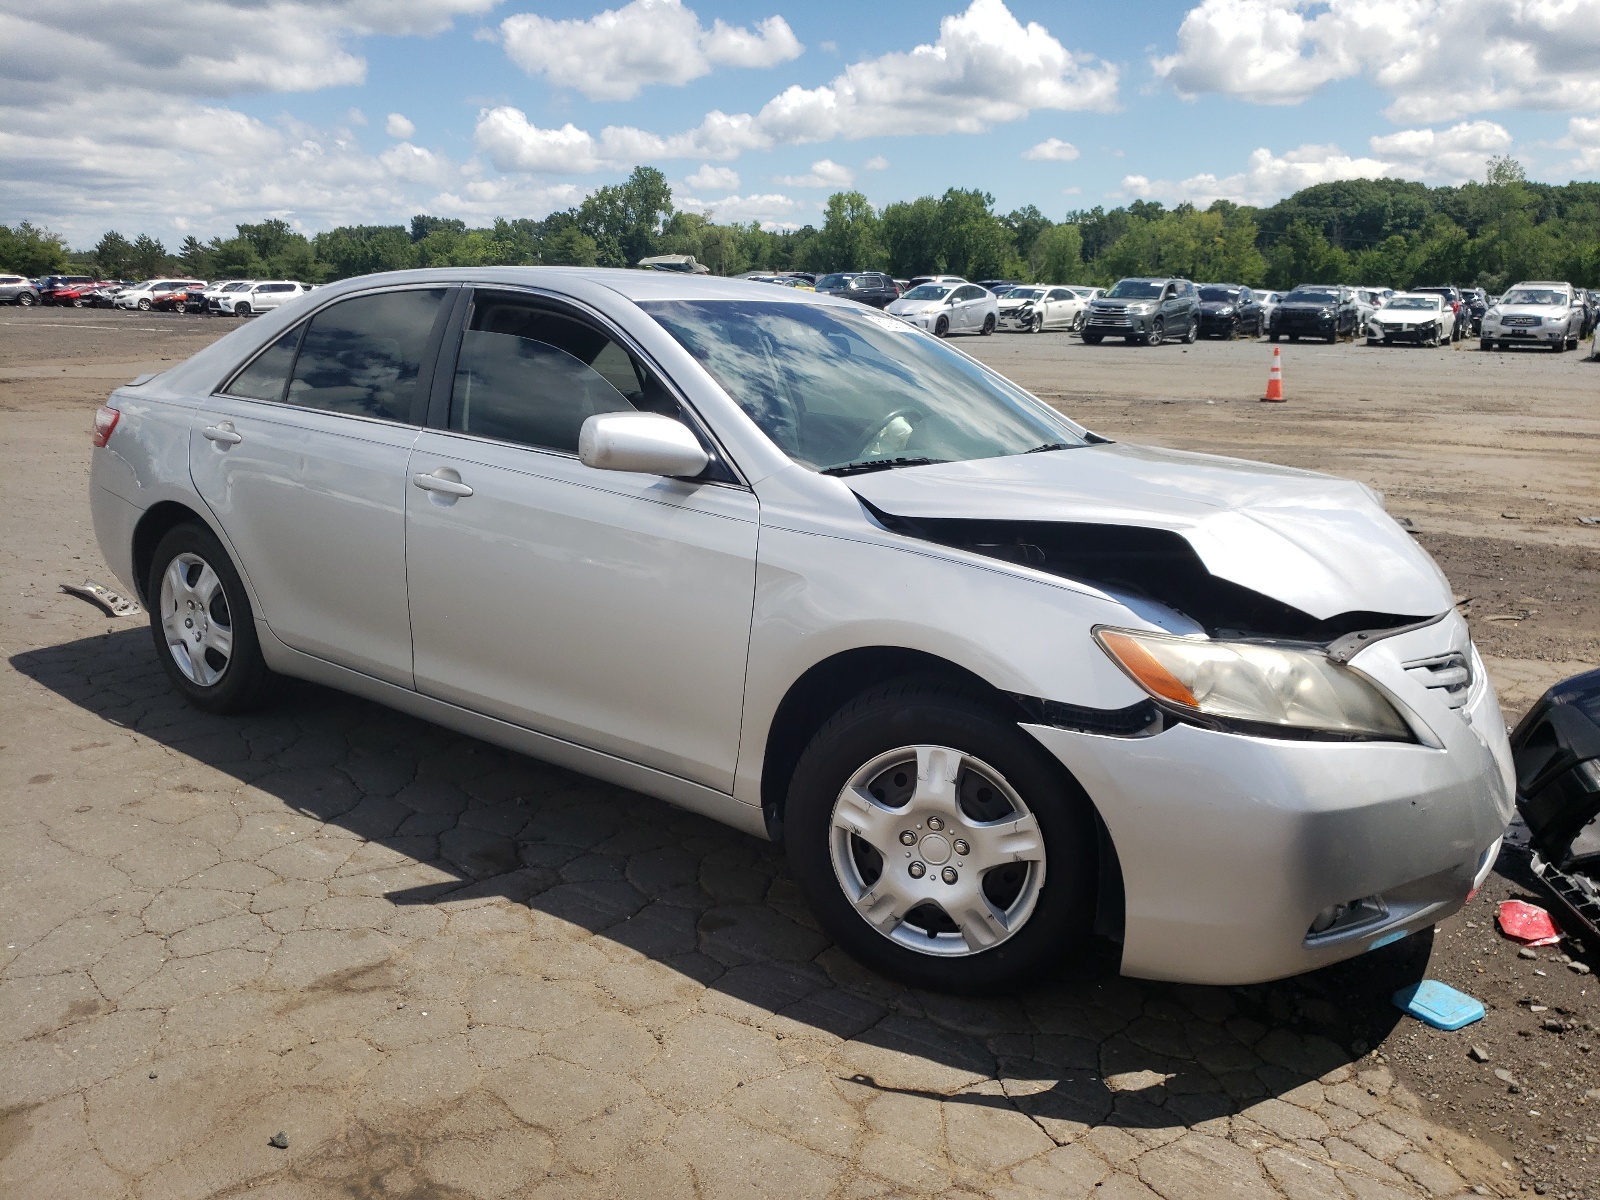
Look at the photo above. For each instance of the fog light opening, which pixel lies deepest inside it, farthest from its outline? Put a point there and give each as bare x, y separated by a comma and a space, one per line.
1341, 918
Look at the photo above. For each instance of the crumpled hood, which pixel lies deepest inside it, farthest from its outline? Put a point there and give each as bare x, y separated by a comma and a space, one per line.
1321, 544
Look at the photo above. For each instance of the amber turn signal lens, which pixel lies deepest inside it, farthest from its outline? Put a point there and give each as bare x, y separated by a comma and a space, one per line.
1146, 669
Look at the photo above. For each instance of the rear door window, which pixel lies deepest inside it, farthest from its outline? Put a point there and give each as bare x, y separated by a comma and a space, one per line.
363, 356
267, 377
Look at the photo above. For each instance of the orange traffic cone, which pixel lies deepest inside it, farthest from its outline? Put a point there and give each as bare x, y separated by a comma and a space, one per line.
1275, 377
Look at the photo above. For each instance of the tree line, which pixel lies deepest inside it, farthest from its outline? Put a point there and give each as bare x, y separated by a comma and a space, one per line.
1378, 232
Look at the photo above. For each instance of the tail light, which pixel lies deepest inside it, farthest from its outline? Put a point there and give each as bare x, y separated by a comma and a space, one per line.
105, 420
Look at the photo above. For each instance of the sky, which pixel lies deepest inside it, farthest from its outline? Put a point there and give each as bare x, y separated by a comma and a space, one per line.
175, 118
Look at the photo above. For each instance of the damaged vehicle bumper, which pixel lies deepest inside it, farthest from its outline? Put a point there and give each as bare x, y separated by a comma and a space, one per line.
1245, 859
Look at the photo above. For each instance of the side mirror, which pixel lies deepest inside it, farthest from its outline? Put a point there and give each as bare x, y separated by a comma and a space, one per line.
645, 442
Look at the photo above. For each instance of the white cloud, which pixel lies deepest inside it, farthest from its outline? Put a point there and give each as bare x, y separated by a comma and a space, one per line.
414, 164
986, 68
1450, 156
1437, 58
513, 143
612, 55
824, 173
765, 209
396, 126
876, 163
355, 117
1583, 135
713, 179
1051, 150
206, 48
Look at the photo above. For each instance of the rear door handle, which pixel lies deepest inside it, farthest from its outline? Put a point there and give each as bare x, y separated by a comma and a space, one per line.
437, 483
223, 434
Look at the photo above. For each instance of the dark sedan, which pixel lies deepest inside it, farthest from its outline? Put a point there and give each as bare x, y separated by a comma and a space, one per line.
1228, 310
1312, 310
865, 287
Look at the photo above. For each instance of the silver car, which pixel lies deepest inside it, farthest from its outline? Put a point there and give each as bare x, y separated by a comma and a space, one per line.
1534, 314
995, 681
945, 309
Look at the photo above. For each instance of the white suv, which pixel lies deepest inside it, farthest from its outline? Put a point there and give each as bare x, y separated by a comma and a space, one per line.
260, 297
1534, 314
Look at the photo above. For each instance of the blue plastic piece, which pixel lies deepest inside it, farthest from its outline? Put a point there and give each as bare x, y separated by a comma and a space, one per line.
1438, 1004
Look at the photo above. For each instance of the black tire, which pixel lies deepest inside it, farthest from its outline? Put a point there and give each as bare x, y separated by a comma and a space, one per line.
1192, 333
988, 325
1157, 334
1294, 337
1272, 337
1093, 339
941, 327
924, 710
1485, 344
244, 679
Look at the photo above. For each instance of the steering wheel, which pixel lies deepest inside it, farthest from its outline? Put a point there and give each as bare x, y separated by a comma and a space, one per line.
907, 413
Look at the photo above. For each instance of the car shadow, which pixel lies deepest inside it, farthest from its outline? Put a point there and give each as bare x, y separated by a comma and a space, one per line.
447, 818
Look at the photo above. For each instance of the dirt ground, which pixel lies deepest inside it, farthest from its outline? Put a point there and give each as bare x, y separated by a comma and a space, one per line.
449, 971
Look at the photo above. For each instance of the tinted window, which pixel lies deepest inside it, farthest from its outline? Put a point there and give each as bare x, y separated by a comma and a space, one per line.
266, 377
363, 356
530, 374
1060, 294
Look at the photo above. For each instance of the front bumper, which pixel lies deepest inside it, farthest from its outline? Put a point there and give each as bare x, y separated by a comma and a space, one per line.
1117, 323
1403, 333
1230, 846
1015, 320
1524, 335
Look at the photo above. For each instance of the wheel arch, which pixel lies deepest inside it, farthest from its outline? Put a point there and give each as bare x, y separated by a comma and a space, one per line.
828, 685
154, 525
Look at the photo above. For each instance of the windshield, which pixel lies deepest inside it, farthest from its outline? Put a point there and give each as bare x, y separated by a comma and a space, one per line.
928, 291
835, 388
1135, 289
833, 281
1220, 294
1024, 293
1533, 296
1413, 302
1299, 297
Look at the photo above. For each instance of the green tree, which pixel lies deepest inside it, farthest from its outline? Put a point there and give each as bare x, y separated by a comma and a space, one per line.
422, 225
850, 238
364, 249
625, 219
194, 257
909, 231
1057, 255
235, 258
1304, 255
113, 255
1025, 224
31, 251
148, 257
570, 246
974, 241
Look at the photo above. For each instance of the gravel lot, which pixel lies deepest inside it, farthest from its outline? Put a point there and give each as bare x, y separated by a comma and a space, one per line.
447, 971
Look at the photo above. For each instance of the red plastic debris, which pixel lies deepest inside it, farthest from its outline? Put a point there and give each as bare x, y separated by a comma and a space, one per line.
1527, 923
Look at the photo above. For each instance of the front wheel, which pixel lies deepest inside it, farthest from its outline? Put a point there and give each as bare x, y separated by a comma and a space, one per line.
1038, 323
144, 306
941, 327
1485, 344
1092, 339
938, 843
1157, 334
988, 325
1272, 337
201, 621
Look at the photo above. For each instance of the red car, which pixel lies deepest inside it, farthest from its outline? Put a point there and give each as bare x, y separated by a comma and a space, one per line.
52, 288
187, 298
75, 295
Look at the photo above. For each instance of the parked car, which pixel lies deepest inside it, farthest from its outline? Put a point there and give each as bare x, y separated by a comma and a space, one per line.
1477, 304
1033, 308
190, 299
143, 296
682, 263
259, 297
1227, 310
990, 678
919, 280
864, 287
1534, 314
104, 293
999, 286
75, 295
18, 289
1145, 311
1420, 317
1458, 308
218, 286
1268, 302
1368, 302
1591, 310
948, 308
49, 285
1088, 293
1315, 310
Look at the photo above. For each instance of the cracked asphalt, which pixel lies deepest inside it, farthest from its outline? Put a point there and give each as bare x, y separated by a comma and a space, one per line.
443, 970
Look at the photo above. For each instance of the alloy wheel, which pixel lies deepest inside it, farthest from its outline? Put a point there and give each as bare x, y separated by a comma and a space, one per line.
196, 620
936, 851
1157, 333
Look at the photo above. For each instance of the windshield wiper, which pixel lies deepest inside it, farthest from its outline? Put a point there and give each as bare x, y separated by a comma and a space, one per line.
1052, 446
879, 464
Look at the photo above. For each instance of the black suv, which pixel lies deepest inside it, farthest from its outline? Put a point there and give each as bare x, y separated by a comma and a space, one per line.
1316, 310
1227, 310
868, 287
1146, 311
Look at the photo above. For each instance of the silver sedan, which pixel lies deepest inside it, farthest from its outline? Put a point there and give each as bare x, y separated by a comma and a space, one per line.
996, 682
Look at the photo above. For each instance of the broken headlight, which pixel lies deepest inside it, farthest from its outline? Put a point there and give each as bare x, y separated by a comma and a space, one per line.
1255, 688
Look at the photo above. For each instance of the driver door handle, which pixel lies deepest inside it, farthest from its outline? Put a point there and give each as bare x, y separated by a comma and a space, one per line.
223, 435
436, 483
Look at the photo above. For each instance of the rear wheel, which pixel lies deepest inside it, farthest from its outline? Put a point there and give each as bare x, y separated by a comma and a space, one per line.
1077, 323
201, 621
938, 843
26, 299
